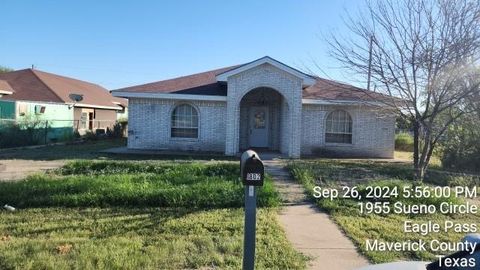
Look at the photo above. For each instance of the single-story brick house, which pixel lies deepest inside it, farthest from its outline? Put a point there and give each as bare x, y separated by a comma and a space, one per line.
262, 104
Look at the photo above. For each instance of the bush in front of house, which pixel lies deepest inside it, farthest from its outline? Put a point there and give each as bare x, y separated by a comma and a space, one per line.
134, 184
404, 142
461, 145
444, 178
117, 131
28, 131
90, 136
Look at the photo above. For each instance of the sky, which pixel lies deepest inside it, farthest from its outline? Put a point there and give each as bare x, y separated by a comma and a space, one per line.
122, 43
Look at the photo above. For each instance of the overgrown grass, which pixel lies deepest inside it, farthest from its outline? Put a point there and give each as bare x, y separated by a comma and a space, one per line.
348, 171
133, 238
404, 142
360, 227
138, 215
134, 184
358, 171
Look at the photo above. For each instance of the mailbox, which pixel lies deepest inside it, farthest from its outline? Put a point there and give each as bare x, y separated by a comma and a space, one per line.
251, 169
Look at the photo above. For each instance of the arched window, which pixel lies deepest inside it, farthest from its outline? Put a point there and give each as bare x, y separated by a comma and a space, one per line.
339, 127
184, 122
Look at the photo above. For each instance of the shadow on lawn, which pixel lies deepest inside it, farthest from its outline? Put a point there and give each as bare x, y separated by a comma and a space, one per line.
100, 222
93, 150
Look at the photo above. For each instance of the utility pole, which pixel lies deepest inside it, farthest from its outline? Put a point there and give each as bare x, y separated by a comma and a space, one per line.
369, 62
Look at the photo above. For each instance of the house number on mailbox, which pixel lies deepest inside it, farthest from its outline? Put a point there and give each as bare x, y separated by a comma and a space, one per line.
254, 176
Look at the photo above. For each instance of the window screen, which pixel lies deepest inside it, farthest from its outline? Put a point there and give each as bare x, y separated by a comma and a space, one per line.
184, 122
339, 127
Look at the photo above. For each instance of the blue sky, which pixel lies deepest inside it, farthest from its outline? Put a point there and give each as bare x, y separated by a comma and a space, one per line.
122, 43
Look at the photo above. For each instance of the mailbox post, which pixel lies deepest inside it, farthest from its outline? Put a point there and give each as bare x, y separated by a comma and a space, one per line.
252, 173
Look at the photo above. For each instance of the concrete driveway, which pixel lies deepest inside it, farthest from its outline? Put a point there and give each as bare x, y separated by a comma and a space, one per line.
17, 169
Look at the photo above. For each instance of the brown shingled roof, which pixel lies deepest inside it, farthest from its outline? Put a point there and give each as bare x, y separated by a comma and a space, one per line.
4, 86
332, 90
205, 83
35, 85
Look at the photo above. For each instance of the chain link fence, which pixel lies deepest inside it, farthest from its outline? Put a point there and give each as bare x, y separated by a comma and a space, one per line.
25, 132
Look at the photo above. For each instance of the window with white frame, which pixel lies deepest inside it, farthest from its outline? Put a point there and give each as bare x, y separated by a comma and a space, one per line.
184, 122
338, 127
83, 120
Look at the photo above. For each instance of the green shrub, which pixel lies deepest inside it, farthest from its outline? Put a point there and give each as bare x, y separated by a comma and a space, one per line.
67, 136
461, 144
90, 136
25, 132
117, 130
404, 142
443, 178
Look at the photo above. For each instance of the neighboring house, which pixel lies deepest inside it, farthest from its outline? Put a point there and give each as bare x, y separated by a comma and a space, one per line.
262, 104
46, 96
5, 88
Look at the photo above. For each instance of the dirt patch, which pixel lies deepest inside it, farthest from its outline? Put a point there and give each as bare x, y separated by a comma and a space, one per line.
17, 169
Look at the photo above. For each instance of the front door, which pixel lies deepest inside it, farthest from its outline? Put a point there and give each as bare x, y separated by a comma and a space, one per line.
258, 127
90, 121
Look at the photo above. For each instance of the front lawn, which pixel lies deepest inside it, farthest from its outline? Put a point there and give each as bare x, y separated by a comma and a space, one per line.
135, 184
134, 238
137, 215
360, 227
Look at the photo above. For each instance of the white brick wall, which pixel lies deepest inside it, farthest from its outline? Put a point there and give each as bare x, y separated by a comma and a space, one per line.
289, 86
373, 132
150, 123
300, 127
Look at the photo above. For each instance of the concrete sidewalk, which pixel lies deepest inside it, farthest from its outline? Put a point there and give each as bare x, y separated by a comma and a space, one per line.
310, 231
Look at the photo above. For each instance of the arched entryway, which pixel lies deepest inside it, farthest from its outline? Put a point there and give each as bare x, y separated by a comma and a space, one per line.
263, 120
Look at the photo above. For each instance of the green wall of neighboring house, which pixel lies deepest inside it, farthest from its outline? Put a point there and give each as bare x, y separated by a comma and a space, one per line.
122, 115
7, 109
58, 115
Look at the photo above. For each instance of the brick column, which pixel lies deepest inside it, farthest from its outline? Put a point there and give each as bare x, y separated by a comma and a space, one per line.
232, 122
295, 124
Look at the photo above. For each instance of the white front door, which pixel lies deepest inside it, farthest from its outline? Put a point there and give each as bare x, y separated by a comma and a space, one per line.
258, 127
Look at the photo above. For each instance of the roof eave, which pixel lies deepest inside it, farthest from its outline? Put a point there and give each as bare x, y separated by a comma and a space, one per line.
93, 106
125, 94
312, 101
5, 92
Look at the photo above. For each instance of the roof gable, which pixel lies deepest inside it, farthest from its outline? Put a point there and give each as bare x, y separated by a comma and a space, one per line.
28, 86
5, 88
307, 80
35, 85
93, 94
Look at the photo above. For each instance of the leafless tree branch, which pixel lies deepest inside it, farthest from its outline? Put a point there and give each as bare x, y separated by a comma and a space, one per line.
425, 53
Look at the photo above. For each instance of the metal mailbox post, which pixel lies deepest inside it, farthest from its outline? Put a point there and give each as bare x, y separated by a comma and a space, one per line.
252, 173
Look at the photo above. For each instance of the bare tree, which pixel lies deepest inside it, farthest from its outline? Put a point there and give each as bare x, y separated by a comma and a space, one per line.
423, 52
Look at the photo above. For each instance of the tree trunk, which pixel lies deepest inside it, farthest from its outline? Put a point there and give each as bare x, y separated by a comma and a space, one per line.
418, 174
